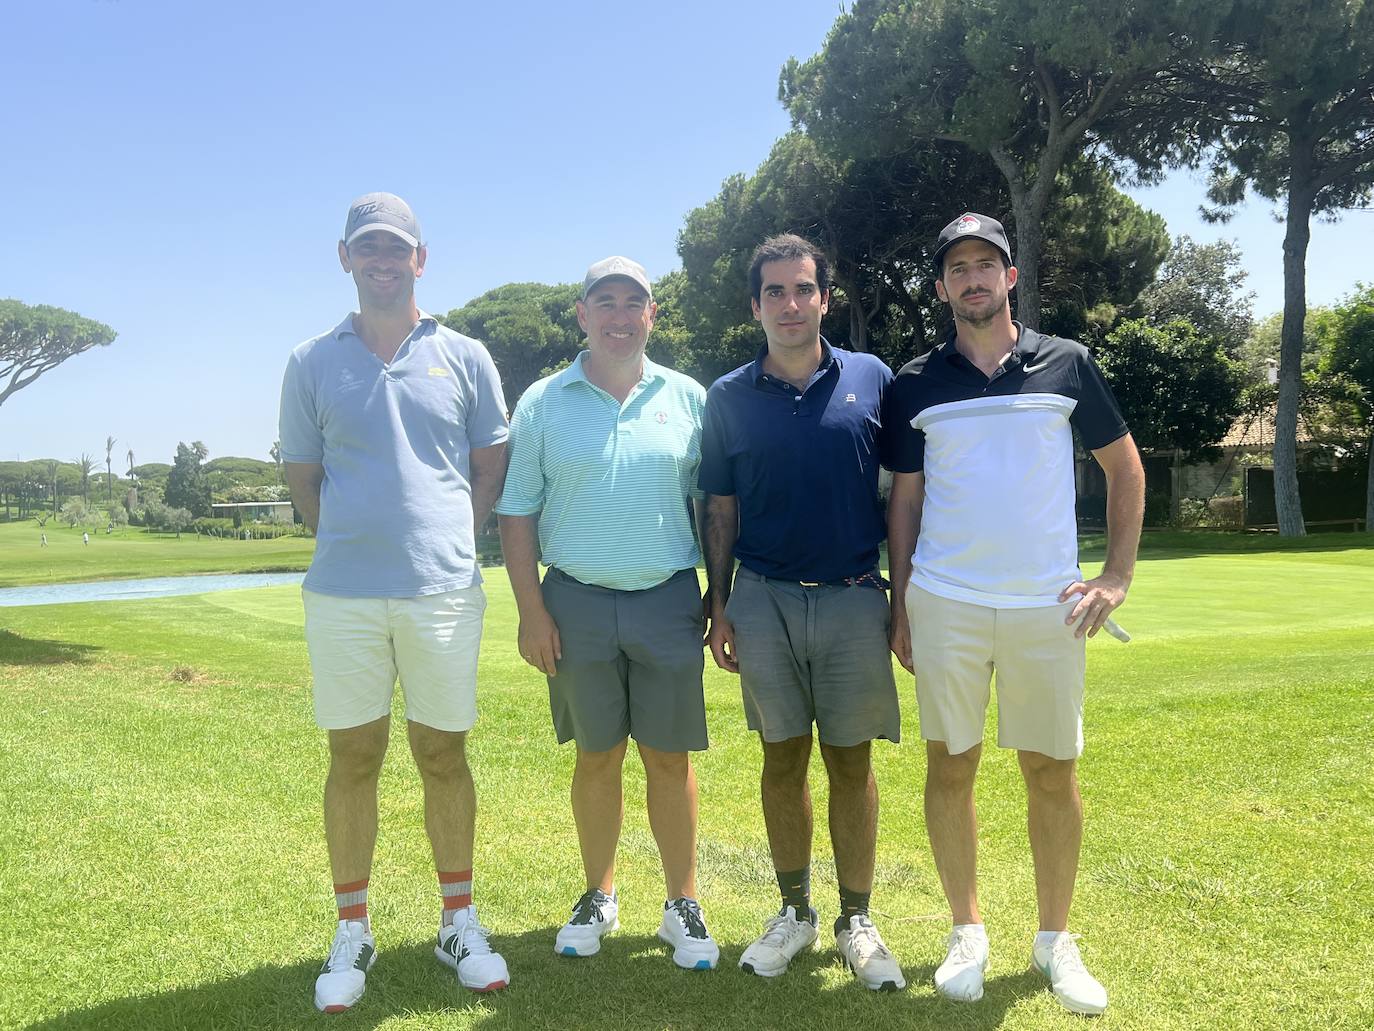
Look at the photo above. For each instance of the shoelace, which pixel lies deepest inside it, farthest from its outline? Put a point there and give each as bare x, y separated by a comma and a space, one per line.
775, 932
689, 912
588, 909
343, 953
961, 947
1065, 956
866, 941
474, 938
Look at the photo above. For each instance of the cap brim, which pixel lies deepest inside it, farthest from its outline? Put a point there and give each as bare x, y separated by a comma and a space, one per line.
373, 227
586, 290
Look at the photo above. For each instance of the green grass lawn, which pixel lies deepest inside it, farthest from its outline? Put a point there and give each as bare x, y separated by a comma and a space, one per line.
131, 551
162, 863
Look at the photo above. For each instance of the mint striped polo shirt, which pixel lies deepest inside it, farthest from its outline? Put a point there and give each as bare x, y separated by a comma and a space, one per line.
612, 483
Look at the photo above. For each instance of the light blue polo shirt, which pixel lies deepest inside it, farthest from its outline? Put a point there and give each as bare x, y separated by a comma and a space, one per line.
612, 483
394, 439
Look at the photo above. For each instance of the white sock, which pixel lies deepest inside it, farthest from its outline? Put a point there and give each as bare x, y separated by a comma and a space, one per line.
977, 929
1046, 938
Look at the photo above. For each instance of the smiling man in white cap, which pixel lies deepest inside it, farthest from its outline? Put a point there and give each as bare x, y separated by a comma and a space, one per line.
985, 577
601, 485
393, 432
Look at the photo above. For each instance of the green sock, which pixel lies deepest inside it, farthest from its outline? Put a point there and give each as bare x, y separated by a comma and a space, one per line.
852, 903
795, 886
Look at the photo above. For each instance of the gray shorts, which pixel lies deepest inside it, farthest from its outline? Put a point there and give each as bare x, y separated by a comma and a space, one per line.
631, 666
814, 655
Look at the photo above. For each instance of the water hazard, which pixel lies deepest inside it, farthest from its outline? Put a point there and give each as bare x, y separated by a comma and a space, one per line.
154, 587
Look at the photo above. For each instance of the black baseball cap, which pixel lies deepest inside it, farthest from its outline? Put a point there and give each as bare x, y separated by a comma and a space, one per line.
971, 226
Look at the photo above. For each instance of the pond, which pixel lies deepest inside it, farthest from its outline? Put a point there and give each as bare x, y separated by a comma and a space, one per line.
154, 587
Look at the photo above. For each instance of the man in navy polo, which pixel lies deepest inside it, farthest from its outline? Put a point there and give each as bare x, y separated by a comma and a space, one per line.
790, 468
979, 437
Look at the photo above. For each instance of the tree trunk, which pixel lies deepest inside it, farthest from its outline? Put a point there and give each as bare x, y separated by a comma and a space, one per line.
1369, 489
1287, 501
858, 327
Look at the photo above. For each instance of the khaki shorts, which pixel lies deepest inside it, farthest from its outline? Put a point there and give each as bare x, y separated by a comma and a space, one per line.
956, 647
359, 646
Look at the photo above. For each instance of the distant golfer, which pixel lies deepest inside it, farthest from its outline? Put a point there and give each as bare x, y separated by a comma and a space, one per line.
42, 540
85, 537
602, 479
979, 434
393, 433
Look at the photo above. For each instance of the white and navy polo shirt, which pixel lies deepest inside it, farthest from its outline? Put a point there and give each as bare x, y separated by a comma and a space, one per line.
997, 526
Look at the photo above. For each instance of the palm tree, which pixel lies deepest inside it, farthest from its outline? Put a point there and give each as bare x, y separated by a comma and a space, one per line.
85, 464
275, 452
52, 482
109, 474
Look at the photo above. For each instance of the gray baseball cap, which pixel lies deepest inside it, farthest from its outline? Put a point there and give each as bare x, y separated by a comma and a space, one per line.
616, 266
971, 226
381, 211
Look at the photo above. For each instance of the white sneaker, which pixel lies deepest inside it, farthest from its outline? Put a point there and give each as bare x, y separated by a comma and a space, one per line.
1076, 989
593, 915
684, 928
960, 976
344, 973
463, 946
867, 956
783, 937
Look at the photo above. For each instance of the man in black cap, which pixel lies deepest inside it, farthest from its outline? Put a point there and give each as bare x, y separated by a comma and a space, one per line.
984, 559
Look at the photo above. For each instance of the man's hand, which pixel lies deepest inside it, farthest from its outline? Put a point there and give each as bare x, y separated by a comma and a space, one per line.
539, 643
1101, 596
899, 640
721, 637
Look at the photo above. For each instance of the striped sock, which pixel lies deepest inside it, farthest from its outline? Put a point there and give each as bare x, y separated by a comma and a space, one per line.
352, 900
456, 888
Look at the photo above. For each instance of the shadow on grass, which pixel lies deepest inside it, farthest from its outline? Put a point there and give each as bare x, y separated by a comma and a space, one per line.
28, 651
631, 984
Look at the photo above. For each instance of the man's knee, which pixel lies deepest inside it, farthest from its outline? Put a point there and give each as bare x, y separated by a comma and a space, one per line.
602, 764
1047, 776
439, 754
665, 766
848, 768
946, 772
785, 762
356, 753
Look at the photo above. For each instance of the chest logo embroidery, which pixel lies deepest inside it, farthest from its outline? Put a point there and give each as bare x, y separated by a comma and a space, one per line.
849, 399
435, 370
660, 417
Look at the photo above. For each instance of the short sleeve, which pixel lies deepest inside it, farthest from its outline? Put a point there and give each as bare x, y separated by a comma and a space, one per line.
903, 447
486, 420
716, 475
523, 493
1097, 417
298, 423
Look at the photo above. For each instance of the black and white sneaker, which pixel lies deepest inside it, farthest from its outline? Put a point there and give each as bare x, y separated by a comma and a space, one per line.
684, 928
593, 915
344, 974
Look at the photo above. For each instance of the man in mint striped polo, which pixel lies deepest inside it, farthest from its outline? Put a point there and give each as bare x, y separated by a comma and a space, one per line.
602, 480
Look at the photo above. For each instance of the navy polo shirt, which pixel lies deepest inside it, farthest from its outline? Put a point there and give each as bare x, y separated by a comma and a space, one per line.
803, 465
997, 521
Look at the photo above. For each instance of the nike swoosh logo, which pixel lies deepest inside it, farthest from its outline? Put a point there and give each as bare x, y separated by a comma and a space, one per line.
1033, 368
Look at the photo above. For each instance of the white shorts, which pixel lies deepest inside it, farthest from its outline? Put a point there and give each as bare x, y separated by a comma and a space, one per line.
358, 647
1040, 666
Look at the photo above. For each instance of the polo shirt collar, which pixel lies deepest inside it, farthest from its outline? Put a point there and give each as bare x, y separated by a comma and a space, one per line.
1027, 345
426, 324
828, 356
574, 373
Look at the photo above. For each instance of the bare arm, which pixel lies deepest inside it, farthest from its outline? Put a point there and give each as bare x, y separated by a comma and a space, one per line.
1104, 593
904, 506
304, 479
538, 634
718, 537
487, 474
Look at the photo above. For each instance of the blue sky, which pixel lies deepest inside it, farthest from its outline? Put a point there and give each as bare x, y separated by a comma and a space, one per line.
181, 171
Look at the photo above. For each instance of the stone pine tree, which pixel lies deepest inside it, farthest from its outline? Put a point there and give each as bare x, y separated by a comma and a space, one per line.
36, 339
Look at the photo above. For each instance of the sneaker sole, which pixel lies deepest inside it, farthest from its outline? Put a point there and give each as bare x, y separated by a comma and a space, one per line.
343, 1007
691, 962
882, 986
452, 964
591, 948
1069, 1004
